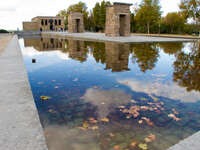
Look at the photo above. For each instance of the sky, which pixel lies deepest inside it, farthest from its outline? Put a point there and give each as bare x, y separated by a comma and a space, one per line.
14, 12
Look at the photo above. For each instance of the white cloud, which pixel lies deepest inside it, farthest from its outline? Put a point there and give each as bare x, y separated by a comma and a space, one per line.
106, 101
14, 12
167, 89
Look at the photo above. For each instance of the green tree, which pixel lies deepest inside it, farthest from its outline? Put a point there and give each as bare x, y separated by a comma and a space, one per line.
99, 15
148, 14
191, 9
174, 22
96, 16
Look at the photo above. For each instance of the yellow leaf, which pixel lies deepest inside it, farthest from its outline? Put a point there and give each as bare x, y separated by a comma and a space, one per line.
45, 97
105, 120
142, 146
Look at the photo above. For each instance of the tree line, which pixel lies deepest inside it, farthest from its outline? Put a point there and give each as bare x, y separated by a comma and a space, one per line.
145, 18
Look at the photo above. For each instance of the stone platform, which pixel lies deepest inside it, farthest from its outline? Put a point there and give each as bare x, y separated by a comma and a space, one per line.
20, 128
89, 36
191, 143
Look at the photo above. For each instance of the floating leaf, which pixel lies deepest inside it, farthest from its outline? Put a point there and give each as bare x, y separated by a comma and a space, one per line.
94, 127
122, 107
51, 111
133, 144
142, 146
85, 125
140, 121
92, 120
175, 112
148, 121
105, 120
150, 138
111, 135
116, 147
143, 99
174, 117
133, 101
45, 97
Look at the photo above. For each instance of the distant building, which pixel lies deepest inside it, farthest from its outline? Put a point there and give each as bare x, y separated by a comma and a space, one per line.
45, 23
118, 19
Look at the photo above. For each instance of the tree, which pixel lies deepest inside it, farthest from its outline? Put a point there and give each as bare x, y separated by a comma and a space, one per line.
174, 22
3, 31
191, 9
99, 15
96, 16
148, 14
79, 7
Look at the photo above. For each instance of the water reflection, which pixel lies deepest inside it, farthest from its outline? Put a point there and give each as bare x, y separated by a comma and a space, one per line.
171, 48
113, 96
146, 55
187, 68
45, 44
77, 50
117, 56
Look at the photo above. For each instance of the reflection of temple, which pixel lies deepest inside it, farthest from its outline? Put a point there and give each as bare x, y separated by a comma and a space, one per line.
117, 56
45, 44
77, 50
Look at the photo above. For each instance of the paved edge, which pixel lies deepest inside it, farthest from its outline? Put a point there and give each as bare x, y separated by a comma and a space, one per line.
190, 143
90, 36
20, 127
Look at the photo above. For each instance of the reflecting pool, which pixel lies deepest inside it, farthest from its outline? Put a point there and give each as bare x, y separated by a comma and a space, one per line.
111, 96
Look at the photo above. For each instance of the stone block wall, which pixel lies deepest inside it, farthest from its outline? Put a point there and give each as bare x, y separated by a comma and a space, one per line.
30, 26
75, 23
118, 20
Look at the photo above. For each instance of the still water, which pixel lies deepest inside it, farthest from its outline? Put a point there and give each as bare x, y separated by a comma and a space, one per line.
110, 96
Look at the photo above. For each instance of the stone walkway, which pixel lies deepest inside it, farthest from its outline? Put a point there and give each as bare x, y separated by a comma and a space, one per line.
4, 39
101, 37
191, 143
20, 128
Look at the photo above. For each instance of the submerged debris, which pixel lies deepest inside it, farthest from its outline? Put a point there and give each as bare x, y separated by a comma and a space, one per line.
45, 97
143, 146
105, 120
150, 138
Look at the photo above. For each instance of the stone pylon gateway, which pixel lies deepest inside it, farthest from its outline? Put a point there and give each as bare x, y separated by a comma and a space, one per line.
118, 19
75, 22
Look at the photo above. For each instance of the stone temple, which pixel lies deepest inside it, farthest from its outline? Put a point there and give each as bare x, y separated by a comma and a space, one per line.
118, 19
45, 23
75, 22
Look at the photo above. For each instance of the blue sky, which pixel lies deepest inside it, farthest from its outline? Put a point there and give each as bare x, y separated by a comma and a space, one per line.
14, 12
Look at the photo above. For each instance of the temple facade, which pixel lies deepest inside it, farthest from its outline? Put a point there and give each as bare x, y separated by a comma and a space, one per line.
45, 23
118, 19
75, 22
